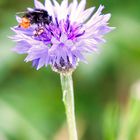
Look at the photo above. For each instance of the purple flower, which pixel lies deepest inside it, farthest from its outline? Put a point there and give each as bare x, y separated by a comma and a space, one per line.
62, 40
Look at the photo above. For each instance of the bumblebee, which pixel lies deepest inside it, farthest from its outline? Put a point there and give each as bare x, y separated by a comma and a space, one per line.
36, 16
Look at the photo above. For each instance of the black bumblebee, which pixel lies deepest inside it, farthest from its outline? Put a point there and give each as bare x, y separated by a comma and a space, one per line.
37, 16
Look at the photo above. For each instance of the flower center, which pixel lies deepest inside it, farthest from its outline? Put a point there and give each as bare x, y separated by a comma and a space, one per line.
47, 32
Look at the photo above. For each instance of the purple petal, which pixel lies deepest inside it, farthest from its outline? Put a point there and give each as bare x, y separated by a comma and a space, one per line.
22, 47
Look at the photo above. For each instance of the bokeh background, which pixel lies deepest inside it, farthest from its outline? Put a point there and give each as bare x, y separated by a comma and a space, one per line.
107, 90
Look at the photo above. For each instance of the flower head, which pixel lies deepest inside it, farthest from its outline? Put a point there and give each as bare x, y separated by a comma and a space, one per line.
59, 34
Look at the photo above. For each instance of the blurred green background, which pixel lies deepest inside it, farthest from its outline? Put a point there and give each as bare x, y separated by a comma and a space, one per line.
107, 90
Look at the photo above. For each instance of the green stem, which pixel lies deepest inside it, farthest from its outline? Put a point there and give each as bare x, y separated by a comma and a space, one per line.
68, 99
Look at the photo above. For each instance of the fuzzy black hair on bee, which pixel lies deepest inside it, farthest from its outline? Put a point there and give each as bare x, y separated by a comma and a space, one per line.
35, 16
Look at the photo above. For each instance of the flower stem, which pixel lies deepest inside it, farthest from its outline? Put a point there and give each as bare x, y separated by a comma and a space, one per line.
68, 99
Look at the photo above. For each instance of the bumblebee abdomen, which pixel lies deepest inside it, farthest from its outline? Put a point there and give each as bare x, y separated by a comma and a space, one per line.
25, 22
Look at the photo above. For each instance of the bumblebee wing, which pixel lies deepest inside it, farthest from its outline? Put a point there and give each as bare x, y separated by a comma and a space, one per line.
24, 12
39, 11
30, 9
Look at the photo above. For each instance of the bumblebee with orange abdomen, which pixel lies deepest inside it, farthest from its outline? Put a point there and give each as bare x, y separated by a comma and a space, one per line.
36, 16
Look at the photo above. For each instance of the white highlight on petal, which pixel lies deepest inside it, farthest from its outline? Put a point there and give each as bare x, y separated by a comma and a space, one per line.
18, 19
64, 4
38, 4
73, 10
95, 16
69, 43
64, 9
106, 17
49, 7
57, 9
54, 41
80, 8
56, 3
70, 8
63, 38
85, 15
